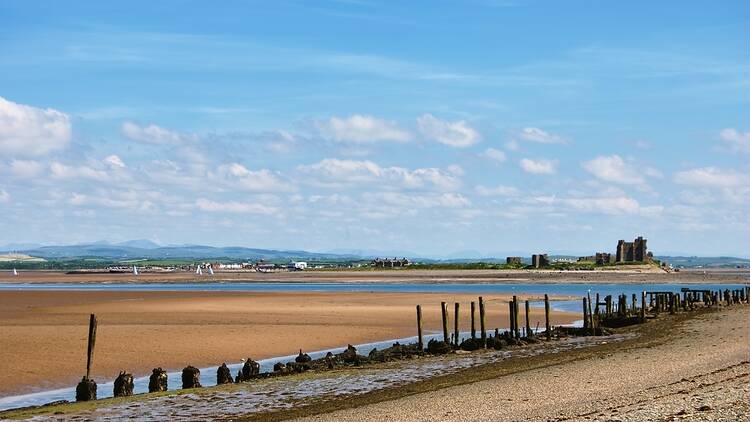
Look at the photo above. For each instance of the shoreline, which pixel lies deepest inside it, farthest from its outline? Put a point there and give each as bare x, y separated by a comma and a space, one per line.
630, 275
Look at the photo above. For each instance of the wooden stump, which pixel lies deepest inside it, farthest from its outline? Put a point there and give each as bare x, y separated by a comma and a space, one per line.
420, 341
123, 385
86, 390
157, 381
546, 317
223, 375
191, 377
444, 310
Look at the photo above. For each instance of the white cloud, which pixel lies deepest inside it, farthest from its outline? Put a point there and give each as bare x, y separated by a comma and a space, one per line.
114, 161
26, 130
128, 200
4, 196
711, 177
614, 169
361, 129
456, 134
495, 155
737, 141
153, 134
540, 166
26, 169
534, 134
513, 145
237, 176
334, 173
62, 171
612, 205
234, 207
496, 190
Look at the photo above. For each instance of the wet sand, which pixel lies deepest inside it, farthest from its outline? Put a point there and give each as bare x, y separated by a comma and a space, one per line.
627, 274
43, 333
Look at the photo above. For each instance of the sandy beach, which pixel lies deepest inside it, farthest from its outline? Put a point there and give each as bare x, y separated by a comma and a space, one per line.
44, 332
629, 274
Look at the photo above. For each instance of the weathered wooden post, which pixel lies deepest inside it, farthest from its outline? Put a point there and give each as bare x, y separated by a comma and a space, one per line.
643, 306
455, 324
223, 375
633, 304
420, 342
515, 317
512, 328
483, 332
123, 385
671, 304
546, 317
444, 310
473, 324
158, 380
86, 389
529, 333
585, 314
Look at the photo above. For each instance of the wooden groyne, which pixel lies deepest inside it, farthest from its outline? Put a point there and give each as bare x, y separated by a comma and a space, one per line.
598, 315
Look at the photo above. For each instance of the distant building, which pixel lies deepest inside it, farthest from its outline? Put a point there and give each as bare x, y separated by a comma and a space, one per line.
539, 260
603, 258
513, 260
635, 251
390, 263
297, 265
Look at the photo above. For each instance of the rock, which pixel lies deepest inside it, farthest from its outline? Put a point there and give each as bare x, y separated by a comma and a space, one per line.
223, 375
123, 385
250, 369
86, 390
350, 355
704, 408
279, 367
330, 360
191, 377
302, 357
438, 347
157, 381
471, 344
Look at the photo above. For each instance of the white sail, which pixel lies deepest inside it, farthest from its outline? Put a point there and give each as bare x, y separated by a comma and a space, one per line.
15, 272
135, 270
211, 270
199, 272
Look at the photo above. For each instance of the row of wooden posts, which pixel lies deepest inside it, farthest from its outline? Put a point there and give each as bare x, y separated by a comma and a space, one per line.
515, 328
658, 301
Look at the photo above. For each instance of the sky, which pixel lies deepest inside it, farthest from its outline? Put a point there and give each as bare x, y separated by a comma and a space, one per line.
436, 128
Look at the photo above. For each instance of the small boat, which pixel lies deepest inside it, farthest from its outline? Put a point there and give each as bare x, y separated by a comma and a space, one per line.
199, 271
15, 272
135, 270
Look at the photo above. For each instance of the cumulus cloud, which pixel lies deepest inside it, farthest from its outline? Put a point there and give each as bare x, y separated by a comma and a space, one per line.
445, 200
62, 171
456, 134
26, 169
153, 134
611, 205
127, 200
533, 134
234, 207
495, 155
540, 166
711, 177
334, 173
4, 196
616, 170
28, 131
496, 190
114, 161
237, 176
736, 140
361, 129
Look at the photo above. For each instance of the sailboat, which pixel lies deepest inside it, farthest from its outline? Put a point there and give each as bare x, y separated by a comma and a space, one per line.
15, 272
211, 270
199, 271
135, 270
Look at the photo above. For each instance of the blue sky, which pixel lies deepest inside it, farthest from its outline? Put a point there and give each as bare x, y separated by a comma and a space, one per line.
430, 127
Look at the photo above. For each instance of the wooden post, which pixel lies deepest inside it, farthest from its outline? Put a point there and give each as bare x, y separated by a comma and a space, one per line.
455, 324
546, 317
483, 332
473, 325
512, 328
633, 304
444, 309
515, 317
585, 314
529, 333
420, 342
92, 342
643, 306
